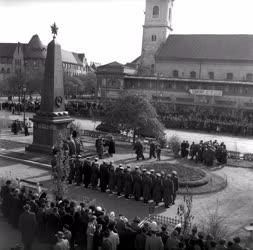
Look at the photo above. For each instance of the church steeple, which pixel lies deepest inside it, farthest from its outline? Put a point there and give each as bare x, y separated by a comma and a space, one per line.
158, 23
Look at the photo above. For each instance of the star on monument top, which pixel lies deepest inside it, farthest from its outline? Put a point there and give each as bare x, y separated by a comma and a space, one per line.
54, 30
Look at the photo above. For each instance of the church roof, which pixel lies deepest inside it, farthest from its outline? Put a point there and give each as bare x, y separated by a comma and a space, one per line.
211, 47
35, 48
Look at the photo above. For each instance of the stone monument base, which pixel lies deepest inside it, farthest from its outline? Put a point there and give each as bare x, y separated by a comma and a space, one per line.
46, 129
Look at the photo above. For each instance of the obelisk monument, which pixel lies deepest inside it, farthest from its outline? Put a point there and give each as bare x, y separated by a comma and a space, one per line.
52, 119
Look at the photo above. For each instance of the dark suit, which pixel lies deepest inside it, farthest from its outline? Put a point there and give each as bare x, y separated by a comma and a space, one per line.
27, 226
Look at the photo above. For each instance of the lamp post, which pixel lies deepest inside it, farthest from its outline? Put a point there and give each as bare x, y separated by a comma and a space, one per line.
24, 91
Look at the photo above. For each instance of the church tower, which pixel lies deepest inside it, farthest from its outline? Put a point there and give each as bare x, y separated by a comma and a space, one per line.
158, 17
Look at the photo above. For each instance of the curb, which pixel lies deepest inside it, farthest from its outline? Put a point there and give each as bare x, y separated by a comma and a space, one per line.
40, 165
238, 166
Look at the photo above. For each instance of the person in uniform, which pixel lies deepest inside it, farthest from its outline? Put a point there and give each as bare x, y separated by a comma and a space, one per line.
120, 180
79, 170
157, 189
138, 147
128, 183
137, 184
94, 174
72, 171
112, 178
174, 179
168, 190
5, 195
146, 185
104, 176
86, 172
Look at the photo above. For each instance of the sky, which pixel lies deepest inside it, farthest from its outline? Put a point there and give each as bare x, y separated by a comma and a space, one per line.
111, 30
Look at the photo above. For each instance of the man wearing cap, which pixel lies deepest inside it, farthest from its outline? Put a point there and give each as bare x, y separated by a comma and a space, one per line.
137, 185
175, 186
94, 175
62, 244
86, 172
27, 226
120, 180
104, 176
128, 183
157, 189
146, 185
168, 190
112, 179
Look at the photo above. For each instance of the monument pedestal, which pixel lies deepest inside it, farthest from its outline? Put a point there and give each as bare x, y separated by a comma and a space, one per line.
46, 130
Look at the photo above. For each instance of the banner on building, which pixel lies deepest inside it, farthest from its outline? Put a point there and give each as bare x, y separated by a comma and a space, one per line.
206, 92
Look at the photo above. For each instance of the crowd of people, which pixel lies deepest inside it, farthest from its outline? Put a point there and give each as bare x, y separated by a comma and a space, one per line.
205, 152
66, 225
210, 122
19, 126
16, 107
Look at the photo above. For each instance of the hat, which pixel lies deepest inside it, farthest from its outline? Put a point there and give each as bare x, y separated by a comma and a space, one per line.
162, 173
128, 166
237, 239
99, 209
121, 167
152, 171
96, 159
174, 172
144, 170
169, 175
148, 172
137, 167
59, 234
79, 156
153, 226
158, 174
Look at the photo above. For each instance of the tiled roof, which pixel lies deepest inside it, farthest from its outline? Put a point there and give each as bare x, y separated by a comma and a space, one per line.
214, 47
70, 57
35, 48
7, 49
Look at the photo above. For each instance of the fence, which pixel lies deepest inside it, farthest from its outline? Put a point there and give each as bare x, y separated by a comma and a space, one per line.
170, 222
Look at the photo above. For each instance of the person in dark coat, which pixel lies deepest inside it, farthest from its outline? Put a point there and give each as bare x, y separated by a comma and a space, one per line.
78, 170
86, 172
147, 187
111, 148
5, 196
27, 226
140, 239
138, 147
99, 147
94, 175
175, 185
137, 185
72, 171
158, 152
152, 149
157, 189
104, 177
168, 190
97, 237
112, 178
128, 183
120, 181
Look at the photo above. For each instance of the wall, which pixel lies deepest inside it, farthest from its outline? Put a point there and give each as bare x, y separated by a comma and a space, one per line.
220, 69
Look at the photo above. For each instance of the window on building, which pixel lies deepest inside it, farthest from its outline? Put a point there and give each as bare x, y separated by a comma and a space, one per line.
153, 38
211, 75
156, 11
175, 73
193, 75
8, 70
249, 77
230, 76
152, 68
2, 70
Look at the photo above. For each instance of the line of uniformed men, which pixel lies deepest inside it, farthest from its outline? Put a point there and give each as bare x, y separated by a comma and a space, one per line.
131, 182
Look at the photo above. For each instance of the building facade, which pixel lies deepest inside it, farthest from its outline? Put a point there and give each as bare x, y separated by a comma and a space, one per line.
195, 72
27, 61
